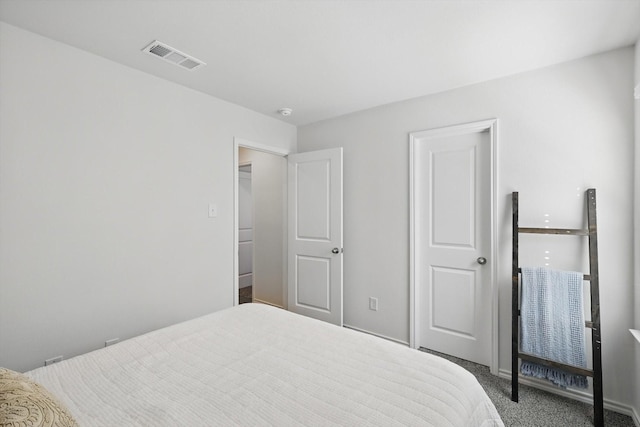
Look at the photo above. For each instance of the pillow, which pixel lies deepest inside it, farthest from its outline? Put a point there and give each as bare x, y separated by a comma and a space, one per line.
25, 403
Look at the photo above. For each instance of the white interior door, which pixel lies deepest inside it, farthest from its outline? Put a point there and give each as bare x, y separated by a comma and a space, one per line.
452, 253
315, 234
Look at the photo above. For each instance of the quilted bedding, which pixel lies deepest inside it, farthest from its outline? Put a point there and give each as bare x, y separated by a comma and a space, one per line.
254, 365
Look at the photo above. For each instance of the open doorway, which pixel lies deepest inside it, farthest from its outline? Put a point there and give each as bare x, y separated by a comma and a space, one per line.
260, 225
245, 235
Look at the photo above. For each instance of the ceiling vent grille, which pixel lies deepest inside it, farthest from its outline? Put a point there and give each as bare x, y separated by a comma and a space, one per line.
169, 54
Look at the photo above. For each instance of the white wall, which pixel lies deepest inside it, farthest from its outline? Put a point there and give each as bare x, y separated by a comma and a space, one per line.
268, 188
561, 130
105, 178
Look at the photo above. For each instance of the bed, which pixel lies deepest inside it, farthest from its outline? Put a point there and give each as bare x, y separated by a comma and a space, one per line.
254, 365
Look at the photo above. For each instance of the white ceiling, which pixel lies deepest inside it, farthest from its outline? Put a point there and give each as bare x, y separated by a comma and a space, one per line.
328, 58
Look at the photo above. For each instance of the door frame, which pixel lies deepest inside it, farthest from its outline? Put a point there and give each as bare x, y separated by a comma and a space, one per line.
245, 143
490, 125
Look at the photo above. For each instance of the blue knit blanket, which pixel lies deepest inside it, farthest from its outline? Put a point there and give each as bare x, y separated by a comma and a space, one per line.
552, 324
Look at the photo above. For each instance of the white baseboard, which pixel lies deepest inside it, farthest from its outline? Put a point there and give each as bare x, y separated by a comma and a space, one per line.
581, 396
377, 335
259, 301
636, 417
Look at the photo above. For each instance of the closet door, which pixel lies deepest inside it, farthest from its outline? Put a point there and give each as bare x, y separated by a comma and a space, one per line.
452, 238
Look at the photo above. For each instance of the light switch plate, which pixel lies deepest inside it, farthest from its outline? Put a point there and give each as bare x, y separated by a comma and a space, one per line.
213, 210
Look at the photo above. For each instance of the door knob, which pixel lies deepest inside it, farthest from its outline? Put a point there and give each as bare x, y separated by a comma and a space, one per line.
335, 250
482, 260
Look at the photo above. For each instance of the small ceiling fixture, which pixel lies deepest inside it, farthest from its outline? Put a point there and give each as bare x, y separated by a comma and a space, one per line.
172, 55
285, 112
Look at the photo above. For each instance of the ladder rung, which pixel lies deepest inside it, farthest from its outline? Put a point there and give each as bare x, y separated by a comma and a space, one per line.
560, 231
587, 324
584, 277
546, 362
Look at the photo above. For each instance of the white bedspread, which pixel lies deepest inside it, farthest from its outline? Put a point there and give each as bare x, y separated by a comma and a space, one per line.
255, 365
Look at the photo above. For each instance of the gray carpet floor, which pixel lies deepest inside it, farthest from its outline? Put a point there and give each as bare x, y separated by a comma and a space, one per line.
536, 408
245, 295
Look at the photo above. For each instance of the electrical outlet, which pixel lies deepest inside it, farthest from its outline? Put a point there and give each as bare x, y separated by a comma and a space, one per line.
373, 303
112, 341
53, 360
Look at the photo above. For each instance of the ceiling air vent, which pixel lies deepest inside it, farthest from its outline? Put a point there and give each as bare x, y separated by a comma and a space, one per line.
172, 55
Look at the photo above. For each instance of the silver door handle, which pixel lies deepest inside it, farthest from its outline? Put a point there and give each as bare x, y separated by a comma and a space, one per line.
335, 250
482, 260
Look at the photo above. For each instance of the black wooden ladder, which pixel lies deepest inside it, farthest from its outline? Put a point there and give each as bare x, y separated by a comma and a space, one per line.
594, 324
